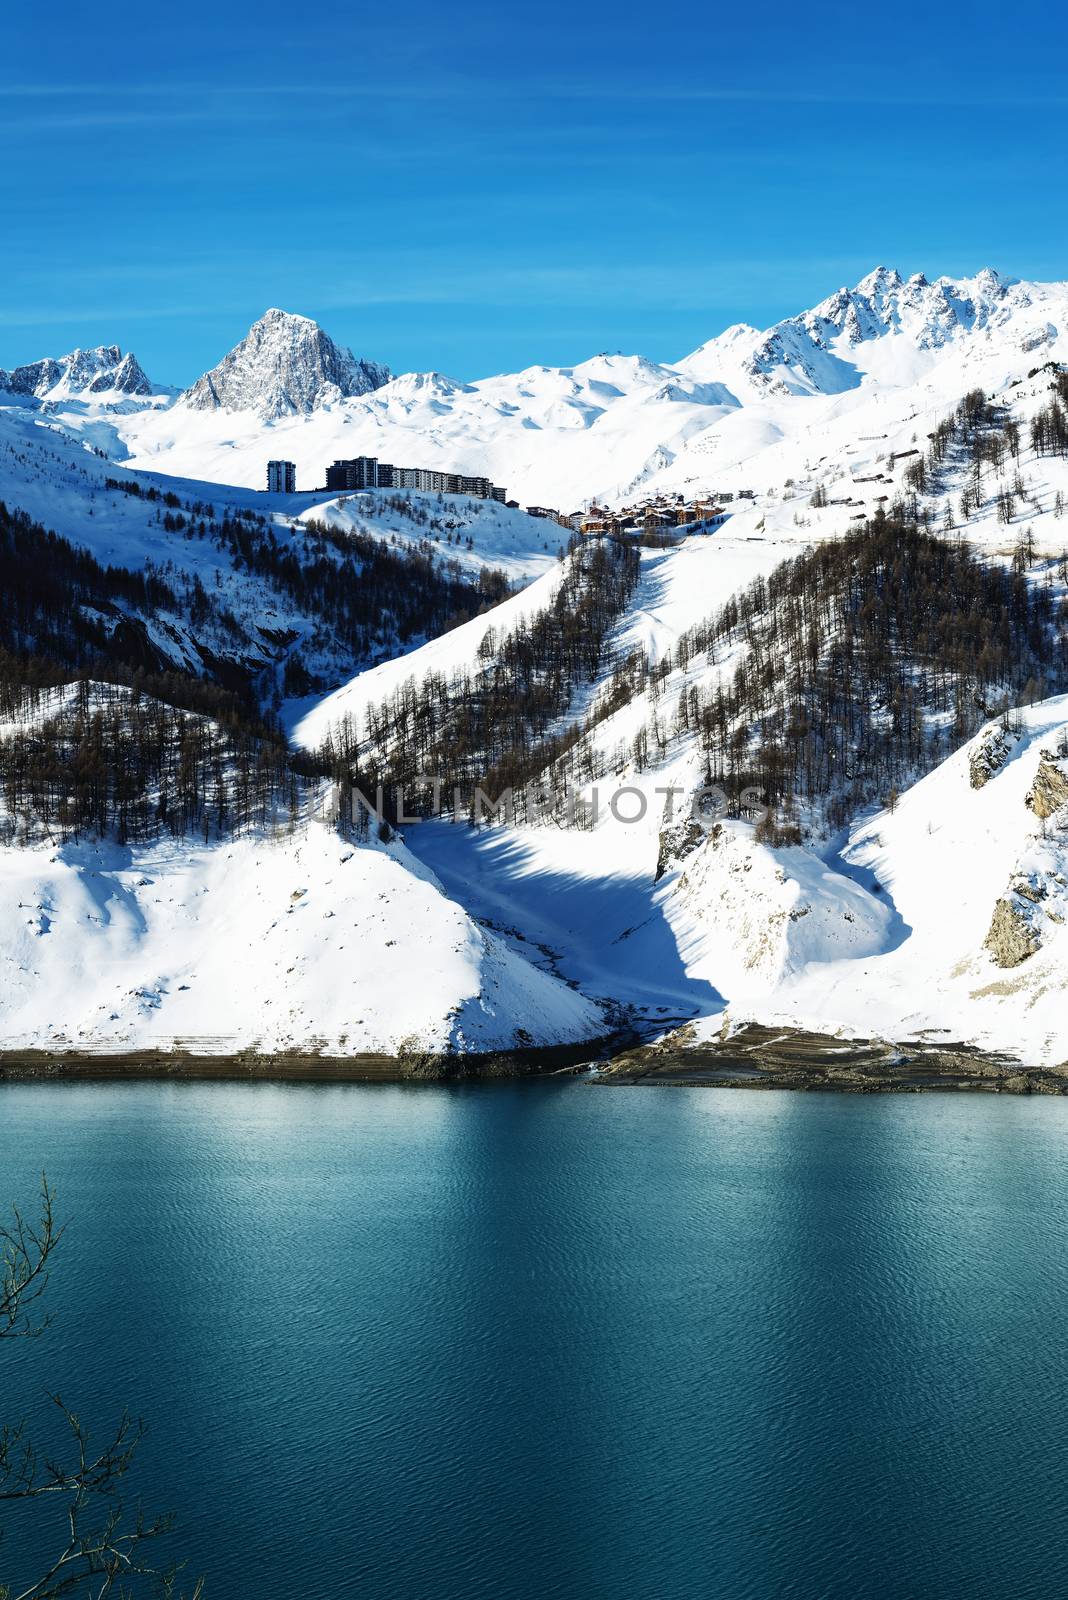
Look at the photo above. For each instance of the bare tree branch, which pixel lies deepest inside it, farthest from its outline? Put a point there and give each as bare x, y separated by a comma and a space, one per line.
25, 1252
99, 1553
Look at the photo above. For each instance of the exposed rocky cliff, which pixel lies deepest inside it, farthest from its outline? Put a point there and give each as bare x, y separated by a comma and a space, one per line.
1035, 903
989, 752
1050, 789
285, 365
1011, 938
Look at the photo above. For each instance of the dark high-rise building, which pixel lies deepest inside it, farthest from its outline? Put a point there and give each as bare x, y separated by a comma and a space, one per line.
361, 472
367, 472
281, 477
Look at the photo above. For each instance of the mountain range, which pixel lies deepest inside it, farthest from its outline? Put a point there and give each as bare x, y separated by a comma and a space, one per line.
103, 371
609, 427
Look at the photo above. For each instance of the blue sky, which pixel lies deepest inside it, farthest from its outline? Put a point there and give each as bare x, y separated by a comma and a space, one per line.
477, 187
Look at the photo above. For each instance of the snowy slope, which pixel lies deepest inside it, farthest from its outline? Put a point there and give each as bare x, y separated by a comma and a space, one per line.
945, 858
61, 481
677, 588
346, 943
885, 932
344, 948
453, 652
729, 931
889, 939
475, 533
57, 472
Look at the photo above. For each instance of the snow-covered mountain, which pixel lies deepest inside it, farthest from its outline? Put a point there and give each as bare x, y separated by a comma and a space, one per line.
940, 915
284, 366
943, 917
102, 371
842, 341
940, 911
745, 409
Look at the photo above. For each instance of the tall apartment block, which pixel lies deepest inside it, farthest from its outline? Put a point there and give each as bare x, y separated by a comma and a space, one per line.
359, 473
367, 472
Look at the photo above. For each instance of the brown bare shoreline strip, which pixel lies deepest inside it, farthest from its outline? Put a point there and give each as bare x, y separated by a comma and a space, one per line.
758, 1057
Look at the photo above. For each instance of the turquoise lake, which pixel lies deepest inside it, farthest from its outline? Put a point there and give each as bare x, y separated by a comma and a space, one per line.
551, 1339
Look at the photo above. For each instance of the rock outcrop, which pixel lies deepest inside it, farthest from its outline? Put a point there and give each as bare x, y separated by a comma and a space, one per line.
679, 841
1049, 792
1034, 906
127, 378
1011, 939
989, 753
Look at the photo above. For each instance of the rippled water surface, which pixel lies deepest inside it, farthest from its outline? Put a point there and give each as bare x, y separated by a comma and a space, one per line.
520, 1341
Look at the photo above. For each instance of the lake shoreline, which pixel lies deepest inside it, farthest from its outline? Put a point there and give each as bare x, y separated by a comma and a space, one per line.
295, 1066
763, 1057
757, 1057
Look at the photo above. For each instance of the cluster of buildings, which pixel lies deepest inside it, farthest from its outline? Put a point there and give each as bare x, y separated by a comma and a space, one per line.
566, 519
367, 472
662, 514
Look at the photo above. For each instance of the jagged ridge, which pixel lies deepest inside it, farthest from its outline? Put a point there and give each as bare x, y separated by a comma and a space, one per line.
98, 371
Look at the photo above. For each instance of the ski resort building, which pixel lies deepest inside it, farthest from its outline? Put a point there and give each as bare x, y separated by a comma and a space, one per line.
281, 477
362, 472
367, 472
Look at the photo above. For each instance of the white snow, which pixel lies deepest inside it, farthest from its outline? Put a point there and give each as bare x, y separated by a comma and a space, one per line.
301, 941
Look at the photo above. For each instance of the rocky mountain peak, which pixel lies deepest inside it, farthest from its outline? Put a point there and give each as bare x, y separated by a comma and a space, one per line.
285, 365
881, 280
96, 371
813, 351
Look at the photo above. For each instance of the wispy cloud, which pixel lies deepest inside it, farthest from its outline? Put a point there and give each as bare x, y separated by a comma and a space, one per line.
78, 316
427, 280
212, 98
62, 121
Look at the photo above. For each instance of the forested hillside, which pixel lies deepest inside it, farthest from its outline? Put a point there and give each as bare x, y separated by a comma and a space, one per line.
498, 725
844, 675
96, 760
192, 744
864, 662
